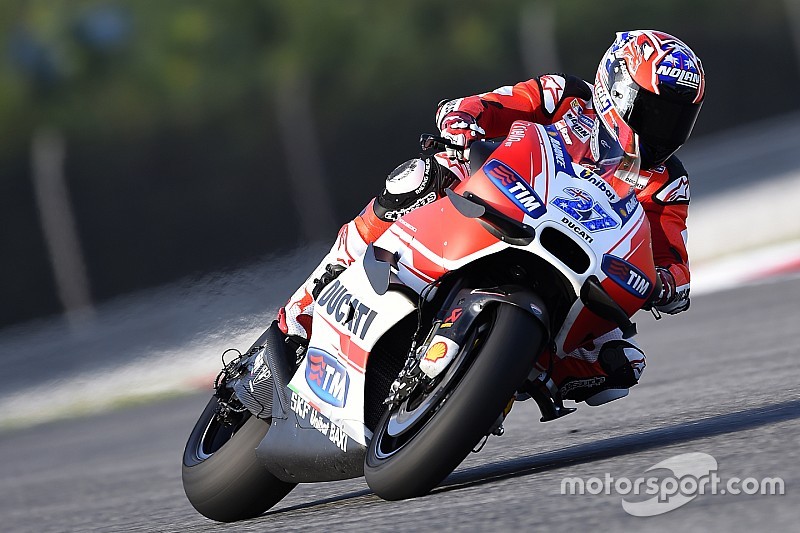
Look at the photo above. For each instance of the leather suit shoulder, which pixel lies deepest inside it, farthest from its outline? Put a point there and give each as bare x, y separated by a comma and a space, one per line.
557, 88
669, 183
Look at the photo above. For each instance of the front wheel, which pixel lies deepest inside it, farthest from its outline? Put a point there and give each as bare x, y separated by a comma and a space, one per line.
419, 442
222, 477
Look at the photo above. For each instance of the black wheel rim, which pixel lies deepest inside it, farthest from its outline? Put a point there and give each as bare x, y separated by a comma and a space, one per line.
408, 419
216, 434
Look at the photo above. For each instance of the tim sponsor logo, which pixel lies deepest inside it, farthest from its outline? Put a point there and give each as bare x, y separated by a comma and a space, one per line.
626, 275
327, 377
515, 188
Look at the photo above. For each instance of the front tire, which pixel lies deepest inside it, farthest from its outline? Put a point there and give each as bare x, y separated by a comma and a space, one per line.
486, 373
222, 477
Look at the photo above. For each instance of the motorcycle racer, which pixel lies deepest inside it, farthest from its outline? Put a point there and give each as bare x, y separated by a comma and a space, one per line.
626, 127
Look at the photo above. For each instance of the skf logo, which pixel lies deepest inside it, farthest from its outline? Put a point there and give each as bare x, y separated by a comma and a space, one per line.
626, 276
515, 188
327, 377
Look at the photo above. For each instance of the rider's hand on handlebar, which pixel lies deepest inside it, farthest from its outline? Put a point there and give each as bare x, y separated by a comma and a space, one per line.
461, 129
667, 285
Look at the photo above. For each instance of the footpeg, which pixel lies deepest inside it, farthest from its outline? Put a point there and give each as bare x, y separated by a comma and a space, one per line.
545, 394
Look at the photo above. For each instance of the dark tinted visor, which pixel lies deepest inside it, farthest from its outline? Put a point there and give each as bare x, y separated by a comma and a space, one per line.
660, 122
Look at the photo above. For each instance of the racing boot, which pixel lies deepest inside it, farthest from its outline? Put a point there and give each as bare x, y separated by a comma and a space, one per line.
599, 375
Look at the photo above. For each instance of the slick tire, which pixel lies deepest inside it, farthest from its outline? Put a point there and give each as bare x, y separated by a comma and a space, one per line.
466, 414
228, 483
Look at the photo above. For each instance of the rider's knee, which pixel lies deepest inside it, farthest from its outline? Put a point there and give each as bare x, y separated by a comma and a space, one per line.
415, 183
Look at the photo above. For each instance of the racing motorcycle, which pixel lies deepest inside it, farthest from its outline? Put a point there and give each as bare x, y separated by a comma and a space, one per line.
419, 347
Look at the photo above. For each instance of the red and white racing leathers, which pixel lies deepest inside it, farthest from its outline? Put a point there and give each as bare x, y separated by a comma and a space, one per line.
564, 101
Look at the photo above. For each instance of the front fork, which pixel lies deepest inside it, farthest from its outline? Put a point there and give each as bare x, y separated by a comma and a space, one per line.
448, 333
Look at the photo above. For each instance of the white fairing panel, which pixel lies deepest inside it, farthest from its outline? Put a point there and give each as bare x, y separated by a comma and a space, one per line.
551, 191
349, 318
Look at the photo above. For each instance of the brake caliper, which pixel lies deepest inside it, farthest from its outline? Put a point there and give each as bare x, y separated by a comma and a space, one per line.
407, 380
229, 407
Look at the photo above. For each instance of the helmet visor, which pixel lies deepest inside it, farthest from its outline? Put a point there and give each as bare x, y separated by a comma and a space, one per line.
663, 125
610, 156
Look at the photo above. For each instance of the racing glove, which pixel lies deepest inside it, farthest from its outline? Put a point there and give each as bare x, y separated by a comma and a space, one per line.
461, 129
669, 300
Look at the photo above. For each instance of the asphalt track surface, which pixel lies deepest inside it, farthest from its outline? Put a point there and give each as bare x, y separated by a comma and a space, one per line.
721, 379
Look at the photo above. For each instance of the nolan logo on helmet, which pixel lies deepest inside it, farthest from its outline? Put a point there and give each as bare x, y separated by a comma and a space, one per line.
681, 77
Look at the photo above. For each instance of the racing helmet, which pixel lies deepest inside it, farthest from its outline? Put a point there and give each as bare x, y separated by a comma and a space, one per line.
648, 91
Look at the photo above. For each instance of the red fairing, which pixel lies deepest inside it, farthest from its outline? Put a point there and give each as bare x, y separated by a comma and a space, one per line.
523, 154
636, 251
545, 100
640, 254
443, 232
446, 233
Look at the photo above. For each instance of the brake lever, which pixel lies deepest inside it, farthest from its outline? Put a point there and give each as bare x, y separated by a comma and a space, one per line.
428, 141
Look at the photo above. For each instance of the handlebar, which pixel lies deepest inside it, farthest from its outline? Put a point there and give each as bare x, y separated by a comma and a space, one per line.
648, 306
429, 142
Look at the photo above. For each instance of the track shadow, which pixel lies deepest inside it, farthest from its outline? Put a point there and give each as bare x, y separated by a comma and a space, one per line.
319, 503
624, 445
597, 450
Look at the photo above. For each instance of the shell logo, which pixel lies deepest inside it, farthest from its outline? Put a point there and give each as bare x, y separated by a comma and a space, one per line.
436, 352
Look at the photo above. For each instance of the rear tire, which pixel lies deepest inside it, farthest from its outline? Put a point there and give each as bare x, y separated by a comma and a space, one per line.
412, 463
222, 477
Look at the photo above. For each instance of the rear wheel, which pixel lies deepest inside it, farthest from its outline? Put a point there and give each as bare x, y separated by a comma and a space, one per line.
419, 442
222, 477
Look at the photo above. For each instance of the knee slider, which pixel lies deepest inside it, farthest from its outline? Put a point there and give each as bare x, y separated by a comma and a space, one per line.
415, 183
623, 362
